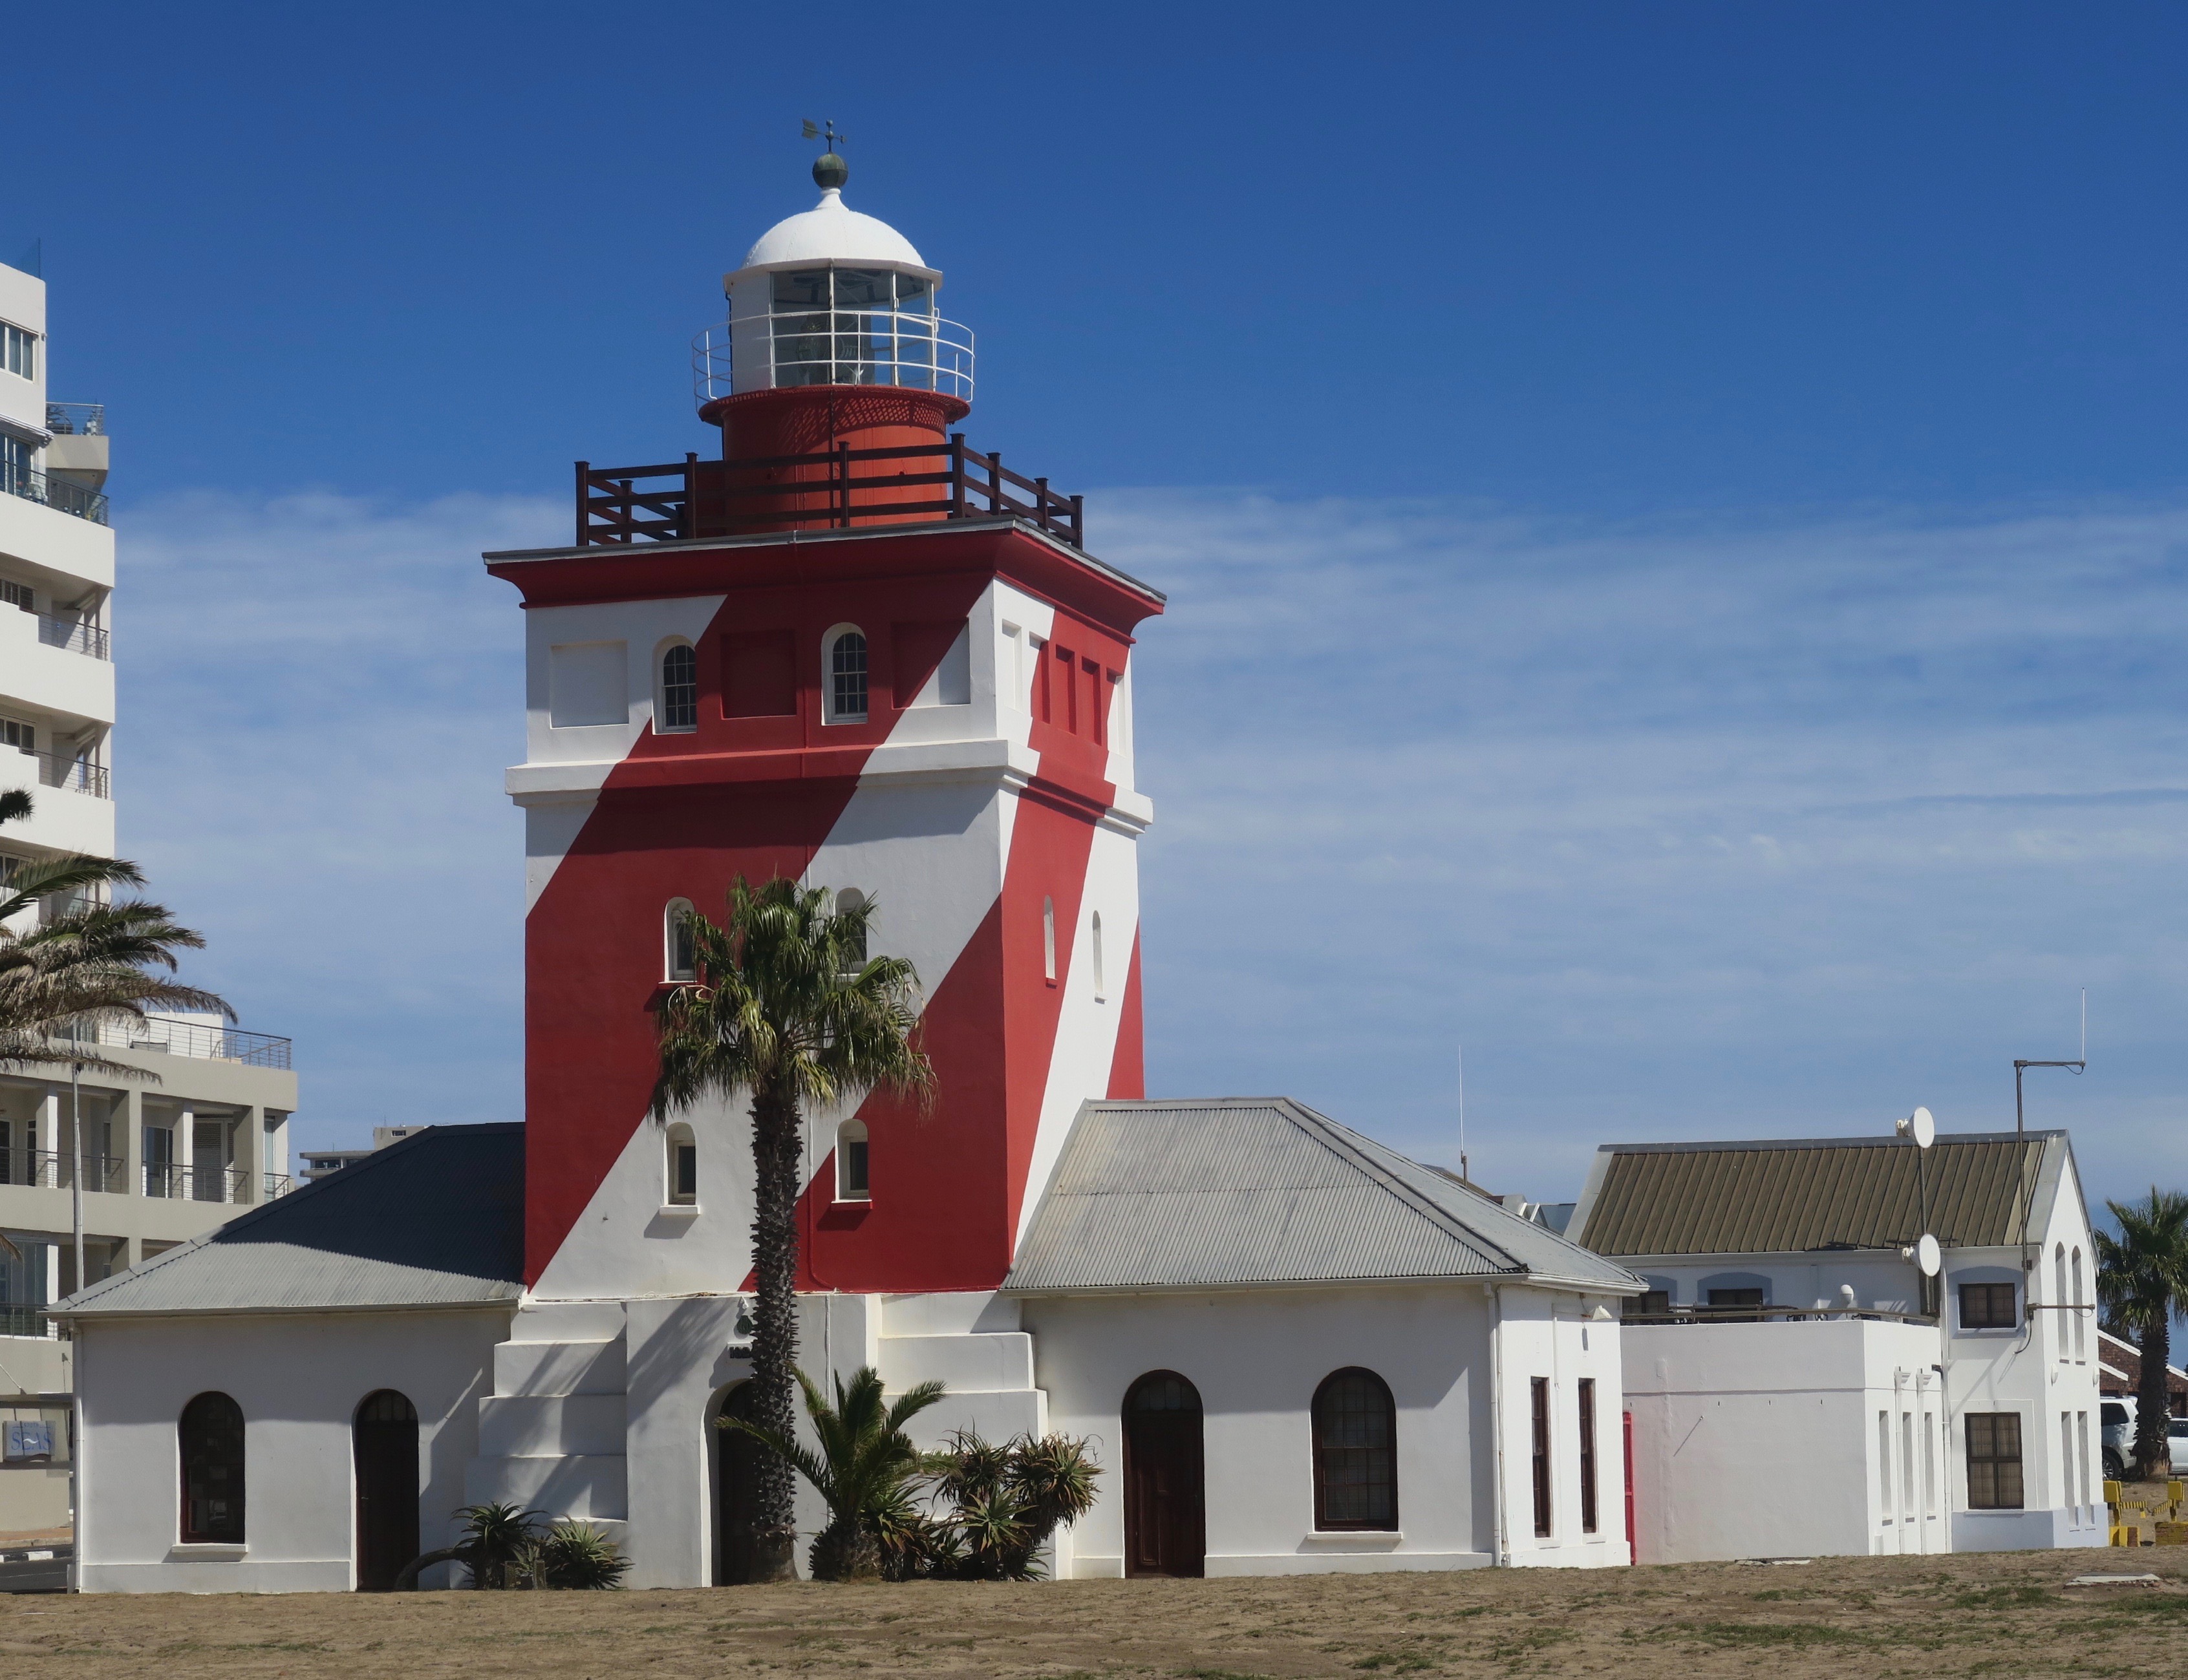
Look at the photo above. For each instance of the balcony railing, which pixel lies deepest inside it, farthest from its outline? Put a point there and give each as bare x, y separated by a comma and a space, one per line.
1756, 1315
72, 634
59, 493
834, 487
172, 1181
17, 1320
186, 1038
77, 420
66, 770
55, 1170
866, 346
278, 1184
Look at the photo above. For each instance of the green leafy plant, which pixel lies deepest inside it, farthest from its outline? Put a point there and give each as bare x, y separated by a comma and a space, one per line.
789, 1011
1004, 1500
575, 1556
863, 1468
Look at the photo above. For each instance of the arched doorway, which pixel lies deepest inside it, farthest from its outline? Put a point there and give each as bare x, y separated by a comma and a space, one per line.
384, 1436
737, 1462
1166, 1516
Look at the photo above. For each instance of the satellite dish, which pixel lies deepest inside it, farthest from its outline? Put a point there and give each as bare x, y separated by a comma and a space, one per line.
1926, 1251
1920, 1125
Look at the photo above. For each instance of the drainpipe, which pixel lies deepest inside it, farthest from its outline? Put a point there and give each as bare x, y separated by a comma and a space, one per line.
1503, 1542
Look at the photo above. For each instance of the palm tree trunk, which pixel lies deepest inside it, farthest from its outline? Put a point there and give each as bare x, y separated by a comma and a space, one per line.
777, 1153
2153, 1447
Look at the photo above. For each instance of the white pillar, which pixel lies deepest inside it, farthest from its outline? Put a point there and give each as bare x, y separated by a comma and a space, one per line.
186, 1141
131, 1118
46, 1139
251, 1155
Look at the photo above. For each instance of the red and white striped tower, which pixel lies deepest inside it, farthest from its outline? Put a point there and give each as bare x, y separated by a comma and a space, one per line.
857, 652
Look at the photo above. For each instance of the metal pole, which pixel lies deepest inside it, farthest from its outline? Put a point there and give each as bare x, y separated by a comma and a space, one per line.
75, 1149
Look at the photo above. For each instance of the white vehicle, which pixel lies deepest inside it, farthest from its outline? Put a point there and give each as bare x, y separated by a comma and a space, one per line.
2119, 1436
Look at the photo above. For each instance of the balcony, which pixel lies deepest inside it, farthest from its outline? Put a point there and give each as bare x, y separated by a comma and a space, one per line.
171, 1182
58, 493
77, 420
53, 1170
837, 489
73, 634
76, 774
19, 1320
188, 1038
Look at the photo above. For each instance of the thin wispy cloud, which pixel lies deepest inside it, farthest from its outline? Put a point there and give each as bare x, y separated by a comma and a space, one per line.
1684, 828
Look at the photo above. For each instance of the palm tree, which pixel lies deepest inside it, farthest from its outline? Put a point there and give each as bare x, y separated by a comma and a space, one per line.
89, 965
861, 1470
2142, 1279
789, 1011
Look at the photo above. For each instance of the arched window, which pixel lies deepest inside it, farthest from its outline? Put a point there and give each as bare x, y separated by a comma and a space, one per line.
846, 676
678, 700
852, 1184
1101, 986
848, 899
2058, 1293
211, 1431
679, 957
682, 1165
2074, 1302
1356, 1452
1048, 939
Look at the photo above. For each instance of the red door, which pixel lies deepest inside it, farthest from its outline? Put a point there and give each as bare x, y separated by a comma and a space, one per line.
1165, 1525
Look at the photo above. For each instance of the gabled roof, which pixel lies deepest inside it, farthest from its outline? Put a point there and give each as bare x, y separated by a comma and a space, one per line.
1263, 1190
1799, 1195
434, 1221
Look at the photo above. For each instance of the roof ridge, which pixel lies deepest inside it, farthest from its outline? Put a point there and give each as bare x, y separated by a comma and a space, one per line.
1359, 1144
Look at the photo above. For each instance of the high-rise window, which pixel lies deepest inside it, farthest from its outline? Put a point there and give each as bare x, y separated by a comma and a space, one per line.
680, 690
18, 351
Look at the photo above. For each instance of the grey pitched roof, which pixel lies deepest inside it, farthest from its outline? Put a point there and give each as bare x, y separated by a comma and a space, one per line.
434, 1221
1264, 1190
1797, 1195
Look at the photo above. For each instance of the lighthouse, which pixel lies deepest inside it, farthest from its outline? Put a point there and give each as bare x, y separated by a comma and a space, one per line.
845, 646
841, 644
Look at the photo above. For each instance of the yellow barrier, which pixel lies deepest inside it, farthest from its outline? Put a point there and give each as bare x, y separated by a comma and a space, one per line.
2112, 1493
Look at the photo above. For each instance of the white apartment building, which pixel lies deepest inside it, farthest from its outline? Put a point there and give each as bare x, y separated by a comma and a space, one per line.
164, 1158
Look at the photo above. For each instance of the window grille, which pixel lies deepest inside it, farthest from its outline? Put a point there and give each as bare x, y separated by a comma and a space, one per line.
1588, 1510
17, 595
846, 676
1542, 1466
212, 1442
679, 688
1994, 1461
1988, 1306
1356, 1464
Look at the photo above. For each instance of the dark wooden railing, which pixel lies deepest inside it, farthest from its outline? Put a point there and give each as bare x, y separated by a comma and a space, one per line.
836, 487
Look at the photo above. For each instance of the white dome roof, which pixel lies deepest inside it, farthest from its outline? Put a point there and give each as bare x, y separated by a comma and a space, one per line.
831, 232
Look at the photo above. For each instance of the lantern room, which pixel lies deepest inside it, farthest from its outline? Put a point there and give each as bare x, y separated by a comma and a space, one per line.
830, 300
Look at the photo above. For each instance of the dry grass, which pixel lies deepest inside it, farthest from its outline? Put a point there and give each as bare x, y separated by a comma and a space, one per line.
1998, 1615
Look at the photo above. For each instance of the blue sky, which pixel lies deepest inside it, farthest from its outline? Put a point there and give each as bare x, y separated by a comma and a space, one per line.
1674, 515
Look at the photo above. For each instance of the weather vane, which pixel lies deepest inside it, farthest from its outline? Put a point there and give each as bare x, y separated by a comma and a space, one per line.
825, 132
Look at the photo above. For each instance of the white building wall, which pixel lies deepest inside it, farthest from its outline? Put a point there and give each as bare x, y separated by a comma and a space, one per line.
1257, 1355
298, 1379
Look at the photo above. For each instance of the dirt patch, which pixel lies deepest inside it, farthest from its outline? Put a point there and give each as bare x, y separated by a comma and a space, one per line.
2008, 1613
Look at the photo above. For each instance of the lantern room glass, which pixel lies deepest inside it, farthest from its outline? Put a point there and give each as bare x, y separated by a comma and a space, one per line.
853, 326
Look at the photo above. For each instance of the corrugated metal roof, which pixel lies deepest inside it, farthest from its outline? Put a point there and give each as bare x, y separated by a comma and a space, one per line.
436, 1220
1264, 1190
1800, 1195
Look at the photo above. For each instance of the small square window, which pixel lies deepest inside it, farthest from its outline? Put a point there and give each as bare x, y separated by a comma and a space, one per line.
1988, 1306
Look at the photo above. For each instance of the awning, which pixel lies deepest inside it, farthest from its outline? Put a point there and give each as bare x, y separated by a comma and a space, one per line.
23, 432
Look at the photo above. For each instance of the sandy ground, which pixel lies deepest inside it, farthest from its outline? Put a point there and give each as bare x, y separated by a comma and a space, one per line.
1998, 1615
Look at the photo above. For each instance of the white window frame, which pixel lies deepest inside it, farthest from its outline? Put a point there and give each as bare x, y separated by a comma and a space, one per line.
669, 931
660, 724
679, 1136
829, 712
850, 1132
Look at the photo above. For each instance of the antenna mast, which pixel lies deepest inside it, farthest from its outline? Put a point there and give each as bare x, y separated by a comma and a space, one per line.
1463, 1173
2021, 1124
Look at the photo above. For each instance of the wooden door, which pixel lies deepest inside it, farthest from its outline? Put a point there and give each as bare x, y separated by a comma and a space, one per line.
737, 1463
386, 1437
1165, 1518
